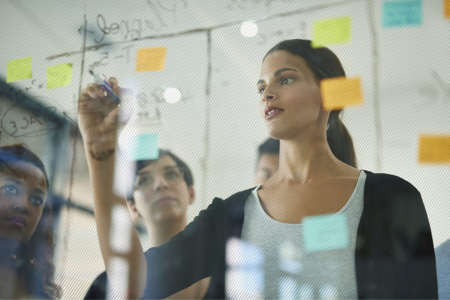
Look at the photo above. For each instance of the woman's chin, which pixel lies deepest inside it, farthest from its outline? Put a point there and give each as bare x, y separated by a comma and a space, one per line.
276, 133
11, 239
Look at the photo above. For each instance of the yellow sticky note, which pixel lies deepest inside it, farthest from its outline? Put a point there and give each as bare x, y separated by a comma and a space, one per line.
434, 149
340, 92
59, 75
151, 59
331, 32
19, 69
446, 9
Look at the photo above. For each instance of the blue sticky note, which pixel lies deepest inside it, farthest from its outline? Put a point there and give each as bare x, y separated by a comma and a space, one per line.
402, 13
325, 232
145, 146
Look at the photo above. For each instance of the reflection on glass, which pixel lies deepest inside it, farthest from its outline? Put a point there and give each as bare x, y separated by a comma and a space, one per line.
288, 288
329, 292
245, 274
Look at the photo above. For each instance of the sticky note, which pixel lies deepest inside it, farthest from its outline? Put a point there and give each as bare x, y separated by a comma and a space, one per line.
340, 92
402, 13
331, 32
59, 75
144, 146
325, 232
446, 8
151, 59
19, 69
434, 149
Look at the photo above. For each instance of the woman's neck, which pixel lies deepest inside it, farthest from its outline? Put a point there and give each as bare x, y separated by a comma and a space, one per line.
305, 158
7, 248
161, 233
8, 275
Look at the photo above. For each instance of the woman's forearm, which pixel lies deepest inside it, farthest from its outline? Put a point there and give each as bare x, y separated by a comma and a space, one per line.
101, 167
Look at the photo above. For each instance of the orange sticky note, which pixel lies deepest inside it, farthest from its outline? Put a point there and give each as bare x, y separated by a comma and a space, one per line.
446, 9
151, 59
340, 92
434, 149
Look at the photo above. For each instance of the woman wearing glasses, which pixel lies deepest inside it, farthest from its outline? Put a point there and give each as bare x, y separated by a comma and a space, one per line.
163, 190
389, 253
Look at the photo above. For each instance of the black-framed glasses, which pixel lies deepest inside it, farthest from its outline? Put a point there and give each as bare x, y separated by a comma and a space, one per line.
170, 174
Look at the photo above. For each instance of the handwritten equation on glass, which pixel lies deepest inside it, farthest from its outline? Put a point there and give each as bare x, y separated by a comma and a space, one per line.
32, 124
162, 15
17, 122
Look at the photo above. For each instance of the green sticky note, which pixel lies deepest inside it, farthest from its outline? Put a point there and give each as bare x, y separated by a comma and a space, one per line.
144, 146
19, 69
331, 32
325, 232
59, 75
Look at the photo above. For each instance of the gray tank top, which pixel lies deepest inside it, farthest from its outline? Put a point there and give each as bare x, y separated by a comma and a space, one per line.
288, 261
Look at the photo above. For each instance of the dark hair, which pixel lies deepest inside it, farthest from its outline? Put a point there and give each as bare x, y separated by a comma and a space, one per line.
187, 174
34, 258
324, 64
269, 146
20, 152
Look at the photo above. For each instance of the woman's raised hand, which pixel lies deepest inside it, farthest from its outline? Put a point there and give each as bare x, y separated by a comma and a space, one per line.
99, 118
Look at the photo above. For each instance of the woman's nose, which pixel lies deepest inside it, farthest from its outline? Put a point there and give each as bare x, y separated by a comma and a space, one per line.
21, 204
268, 94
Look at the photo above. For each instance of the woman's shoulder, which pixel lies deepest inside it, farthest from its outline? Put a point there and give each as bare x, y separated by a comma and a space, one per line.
389, 182
231, 203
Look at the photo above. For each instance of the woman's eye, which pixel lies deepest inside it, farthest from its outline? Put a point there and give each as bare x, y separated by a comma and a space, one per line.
37, 200
261, 90
11, 189
286, 80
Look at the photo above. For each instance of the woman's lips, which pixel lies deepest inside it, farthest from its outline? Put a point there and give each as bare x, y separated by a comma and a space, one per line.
273, 114
18, 221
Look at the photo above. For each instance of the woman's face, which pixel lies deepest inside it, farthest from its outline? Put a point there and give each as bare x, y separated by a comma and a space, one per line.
161, 193
23, 192
290, 96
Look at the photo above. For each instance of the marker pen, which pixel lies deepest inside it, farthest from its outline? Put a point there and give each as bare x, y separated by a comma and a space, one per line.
104, 84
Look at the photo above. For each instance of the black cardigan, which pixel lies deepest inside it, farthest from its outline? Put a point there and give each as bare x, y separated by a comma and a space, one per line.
394, 253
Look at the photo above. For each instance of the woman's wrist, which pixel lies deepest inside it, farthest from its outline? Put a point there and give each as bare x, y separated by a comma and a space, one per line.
102, 155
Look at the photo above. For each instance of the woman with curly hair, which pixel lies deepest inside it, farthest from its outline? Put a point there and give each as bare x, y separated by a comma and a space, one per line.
26, 241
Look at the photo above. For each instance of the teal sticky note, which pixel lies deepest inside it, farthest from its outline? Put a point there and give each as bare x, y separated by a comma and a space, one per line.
144, 147
325, 232
402, 13
19, 69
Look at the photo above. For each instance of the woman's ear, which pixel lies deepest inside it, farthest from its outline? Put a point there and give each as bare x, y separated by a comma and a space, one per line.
191, 194
133, 209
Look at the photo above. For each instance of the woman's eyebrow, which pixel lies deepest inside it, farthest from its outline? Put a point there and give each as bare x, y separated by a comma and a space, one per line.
39, 191
282, 70
278, 72
15, 181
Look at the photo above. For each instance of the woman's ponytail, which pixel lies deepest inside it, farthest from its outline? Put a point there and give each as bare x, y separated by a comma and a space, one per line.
339, 140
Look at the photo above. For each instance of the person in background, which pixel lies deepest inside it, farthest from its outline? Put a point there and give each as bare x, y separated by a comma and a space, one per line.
268, 160
162, 193
388, 251
26, 241
443, 269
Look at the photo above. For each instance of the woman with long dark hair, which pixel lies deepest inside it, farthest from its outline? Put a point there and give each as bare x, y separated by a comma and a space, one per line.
385, 248
26, 241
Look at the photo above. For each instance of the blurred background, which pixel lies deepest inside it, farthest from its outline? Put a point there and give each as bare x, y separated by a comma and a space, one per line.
203, 93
